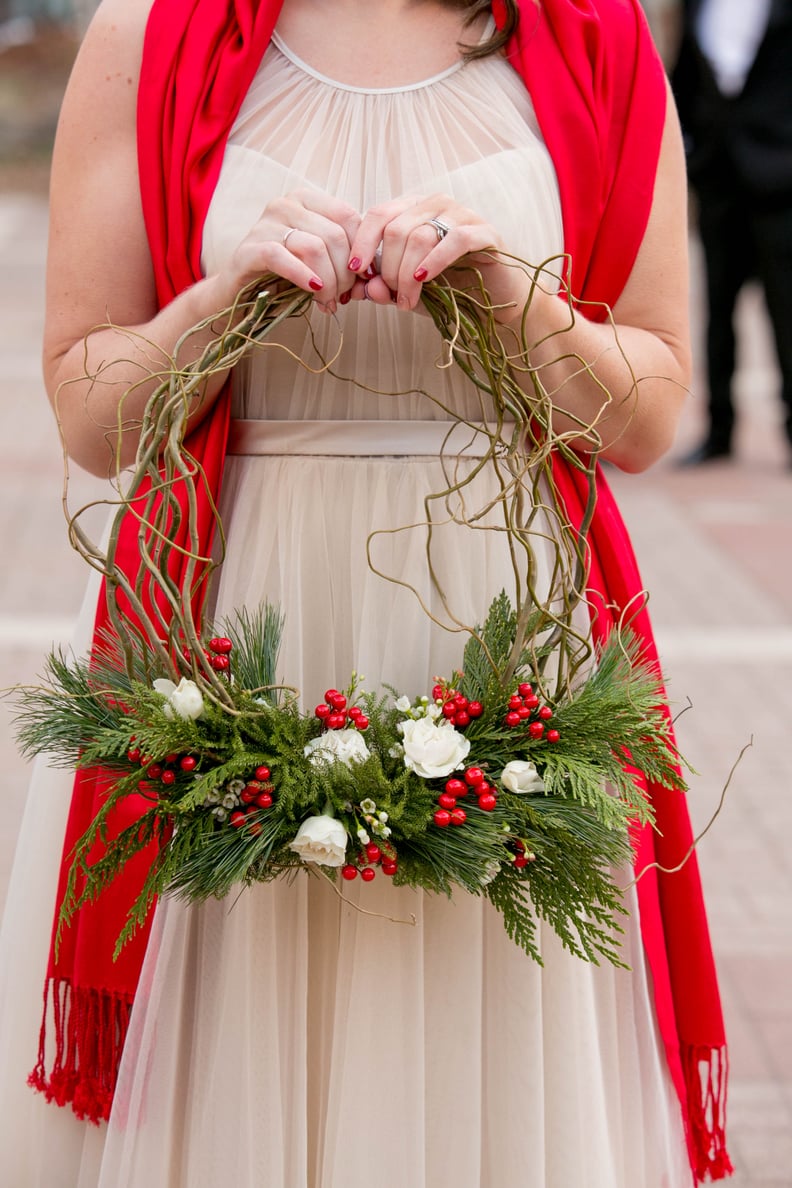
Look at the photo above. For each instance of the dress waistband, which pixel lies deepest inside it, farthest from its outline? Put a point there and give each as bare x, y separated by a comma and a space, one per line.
361, 438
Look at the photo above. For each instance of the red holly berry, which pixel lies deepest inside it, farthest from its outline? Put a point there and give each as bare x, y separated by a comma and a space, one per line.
515, 702
442, 818
249, 794
438, 693
458, 816
169, 776
389, 866
264, 800
446, 801
532, 701
336, 699
335, 721
449, 709
545, 713
171, 758
349, 872
523, 713
262, 773
473, 776
487, 802
525, 690
154, 772
133, 754
322, 710
475, 709
373, 852
238, 818
362, 722
220, 663
520, 861
553, 736
188, 763
512, 719
367, 874
536, 729
221, 645
354, 712
455, 787
460, 701
483, 787
462, 719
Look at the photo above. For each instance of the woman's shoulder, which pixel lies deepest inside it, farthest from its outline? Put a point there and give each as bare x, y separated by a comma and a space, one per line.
117, 30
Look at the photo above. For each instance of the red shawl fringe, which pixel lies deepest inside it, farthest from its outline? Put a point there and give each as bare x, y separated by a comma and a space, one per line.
706, 1076
90, 1028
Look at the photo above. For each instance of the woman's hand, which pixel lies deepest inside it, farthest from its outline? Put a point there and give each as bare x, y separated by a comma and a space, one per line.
424, 237
305, 237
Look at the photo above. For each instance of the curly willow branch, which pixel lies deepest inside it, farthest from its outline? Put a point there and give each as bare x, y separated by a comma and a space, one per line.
516, 426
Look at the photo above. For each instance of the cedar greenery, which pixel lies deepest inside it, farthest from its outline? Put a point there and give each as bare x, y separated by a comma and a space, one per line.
92, 711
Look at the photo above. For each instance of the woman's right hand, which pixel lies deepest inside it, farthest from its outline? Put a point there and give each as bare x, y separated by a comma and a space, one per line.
304, 237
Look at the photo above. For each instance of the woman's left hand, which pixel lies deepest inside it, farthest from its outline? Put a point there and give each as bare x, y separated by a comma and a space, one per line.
422, 238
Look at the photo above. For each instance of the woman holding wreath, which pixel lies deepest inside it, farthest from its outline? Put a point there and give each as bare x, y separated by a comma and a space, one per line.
359, 152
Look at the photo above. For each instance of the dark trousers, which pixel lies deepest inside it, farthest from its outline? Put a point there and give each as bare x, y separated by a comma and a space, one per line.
743, 237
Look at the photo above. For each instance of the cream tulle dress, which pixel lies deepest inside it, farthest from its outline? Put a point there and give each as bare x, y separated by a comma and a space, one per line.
283, 1039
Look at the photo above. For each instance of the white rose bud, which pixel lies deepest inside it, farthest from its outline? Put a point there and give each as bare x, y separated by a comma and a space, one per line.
521, 776
345, 746
433, 750
321, 840
183, 700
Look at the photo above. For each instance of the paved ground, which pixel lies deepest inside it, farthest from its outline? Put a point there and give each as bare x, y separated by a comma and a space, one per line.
715, 546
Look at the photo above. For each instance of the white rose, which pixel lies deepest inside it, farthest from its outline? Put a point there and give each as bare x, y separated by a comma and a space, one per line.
183, 700
321, 840
521, 776
432, 750
345, 746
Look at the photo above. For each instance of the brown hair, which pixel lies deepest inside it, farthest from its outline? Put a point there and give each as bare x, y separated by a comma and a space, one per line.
499, 38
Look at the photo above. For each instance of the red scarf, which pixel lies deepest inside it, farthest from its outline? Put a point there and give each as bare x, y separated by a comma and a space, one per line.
599, 94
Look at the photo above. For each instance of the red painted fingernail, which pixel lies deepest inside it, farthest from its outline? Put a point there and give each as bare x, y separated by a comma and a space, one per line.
354, 264
345, 298
421, 274
315, 284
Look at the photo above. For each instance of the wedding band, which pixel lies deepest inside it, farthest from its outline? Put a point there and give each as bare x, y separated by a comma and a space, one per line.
366, 292
289, 231
440, 227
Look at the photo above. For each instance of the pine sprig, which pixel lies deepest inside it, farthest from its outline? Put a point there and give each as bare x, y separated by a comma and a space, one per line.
231, 781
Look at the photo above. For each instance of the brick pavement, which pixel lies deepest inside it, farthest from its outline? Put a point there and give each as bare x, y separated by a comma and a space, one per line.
715, 551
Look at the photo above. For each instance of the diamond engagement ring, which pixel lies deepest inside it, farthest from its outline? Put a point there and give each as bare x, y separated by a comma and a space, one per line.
440, 227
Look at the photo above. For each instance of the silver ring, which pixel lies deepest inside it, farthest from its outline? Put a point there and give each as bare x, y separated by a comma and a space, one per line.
440, 227
366, 292
289, 231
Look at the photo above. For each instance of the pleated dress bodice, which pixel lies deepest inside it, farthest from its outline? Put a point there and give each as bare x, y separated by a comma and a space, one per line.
470, 132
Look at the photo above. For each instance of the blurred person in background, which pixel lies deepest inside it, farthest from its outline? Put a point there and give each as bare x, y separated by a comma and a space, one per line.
733, 84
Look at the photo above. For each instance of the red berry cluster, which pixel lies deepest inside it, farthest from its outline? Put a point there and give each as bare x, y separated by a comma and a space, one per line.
217, 653
164, 770
525, 708
335, 715
522, 856
257, 794
370, 857
220, 658
455, 706
474, 780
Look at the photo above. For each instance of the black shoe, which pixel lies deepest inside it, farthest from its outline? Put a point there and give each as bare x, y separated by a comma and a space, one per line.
708, 451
